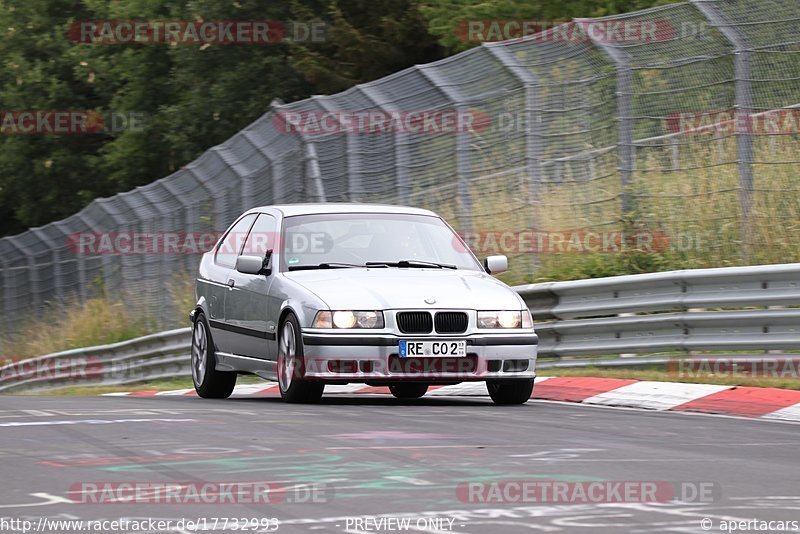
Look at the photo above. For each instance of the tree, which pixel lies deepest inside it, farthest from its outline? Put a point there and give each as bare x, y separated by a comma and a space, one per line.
447, 18
368, 39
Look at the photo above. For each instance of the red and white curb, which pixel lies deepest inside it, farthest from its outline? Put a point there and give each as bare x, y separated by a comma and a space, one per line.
766, 403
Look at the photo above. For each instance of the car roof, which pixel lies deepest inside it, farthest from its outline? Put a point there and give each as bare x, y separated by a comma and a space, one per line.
290, 210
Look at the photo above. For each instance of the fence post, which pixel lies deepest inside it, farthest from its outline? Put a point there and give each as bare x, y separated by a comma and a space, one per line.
312, 169
463, 152
533, 131
104, 258
743, 105
58, 283
8, 291
278, 191
624, 93
33, 274
401, 158
352, 150
533, 120
315, 188
189, 223
464, 171
247, 187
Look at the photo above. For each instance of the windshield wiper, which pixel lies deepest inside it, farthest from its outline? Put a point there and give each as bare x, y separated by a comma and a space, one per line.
411, 263
331, 265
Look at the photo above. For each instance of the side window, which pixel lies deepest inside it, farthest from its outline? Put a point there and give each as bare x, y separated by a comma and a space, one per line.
231, 244
262, 236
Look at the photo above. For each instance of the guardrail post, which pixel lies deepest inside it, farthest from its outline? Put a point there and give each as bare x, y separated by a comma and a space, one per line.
743, 105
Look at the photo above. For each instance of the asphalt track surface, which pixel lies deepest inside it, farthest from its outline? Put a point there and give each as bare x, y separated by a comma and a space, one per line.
374, 458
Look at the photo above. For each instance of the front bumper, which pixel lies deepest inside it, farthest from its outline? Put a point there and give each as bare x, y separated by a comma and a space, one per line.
375, 358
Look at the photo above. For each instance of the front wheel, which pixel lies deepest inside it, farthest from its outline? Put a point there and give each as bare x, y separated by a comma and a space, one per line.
208, 382
510, 391
408, 391
291, 366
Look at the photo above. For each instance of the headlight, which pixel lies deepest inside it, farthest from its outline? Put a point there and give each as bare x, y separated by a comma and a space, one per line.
348, 319
500, 319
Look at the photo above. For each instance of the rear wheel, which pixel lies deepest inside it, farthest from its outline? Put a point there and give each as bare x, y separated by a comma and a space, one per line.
208, 382
510, 391
291, 366
408, 391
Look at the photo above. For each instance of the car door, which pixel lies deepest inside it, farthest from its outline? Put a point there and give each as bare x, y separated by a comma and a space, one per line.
246, 303
219, 287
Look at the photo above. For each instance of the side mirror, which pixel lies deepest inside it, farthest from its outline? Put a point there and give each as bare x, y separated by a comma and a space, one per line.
249, 264
255, 264
495, 264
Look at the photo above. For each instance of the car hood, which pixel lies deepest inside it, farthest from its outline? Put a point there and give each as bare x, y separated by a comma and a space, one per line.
401, 288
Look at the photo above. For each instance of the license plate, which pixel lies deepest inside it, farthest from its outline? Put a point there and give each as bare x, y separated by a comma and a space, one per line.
432, 348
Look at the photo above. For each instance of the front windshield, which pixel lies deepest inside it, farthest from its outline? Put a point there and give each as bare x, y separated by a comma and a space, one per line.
357, 239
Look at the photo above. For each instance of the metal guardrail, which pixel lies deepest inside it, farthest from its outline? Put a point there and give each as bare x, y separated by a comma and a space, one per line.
669, 312
152, 357
644, 313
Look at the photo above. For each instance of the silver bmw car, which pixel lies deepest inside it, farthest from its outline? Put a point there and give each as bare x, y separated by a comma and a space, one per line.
316, 294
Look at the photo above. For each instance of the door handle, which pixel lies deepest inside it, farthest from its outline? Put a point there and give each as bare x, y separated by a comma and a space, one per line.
231, 283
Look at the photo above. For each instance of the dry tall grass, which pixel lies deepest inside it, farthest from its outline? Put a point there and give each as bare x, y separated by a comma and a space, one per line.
74, 324
98, 321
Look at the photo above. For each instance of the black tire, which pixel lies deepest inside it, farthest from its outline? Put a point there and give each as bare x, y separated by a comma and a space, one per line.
408, 391
291, 366
208, 382
510, 391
